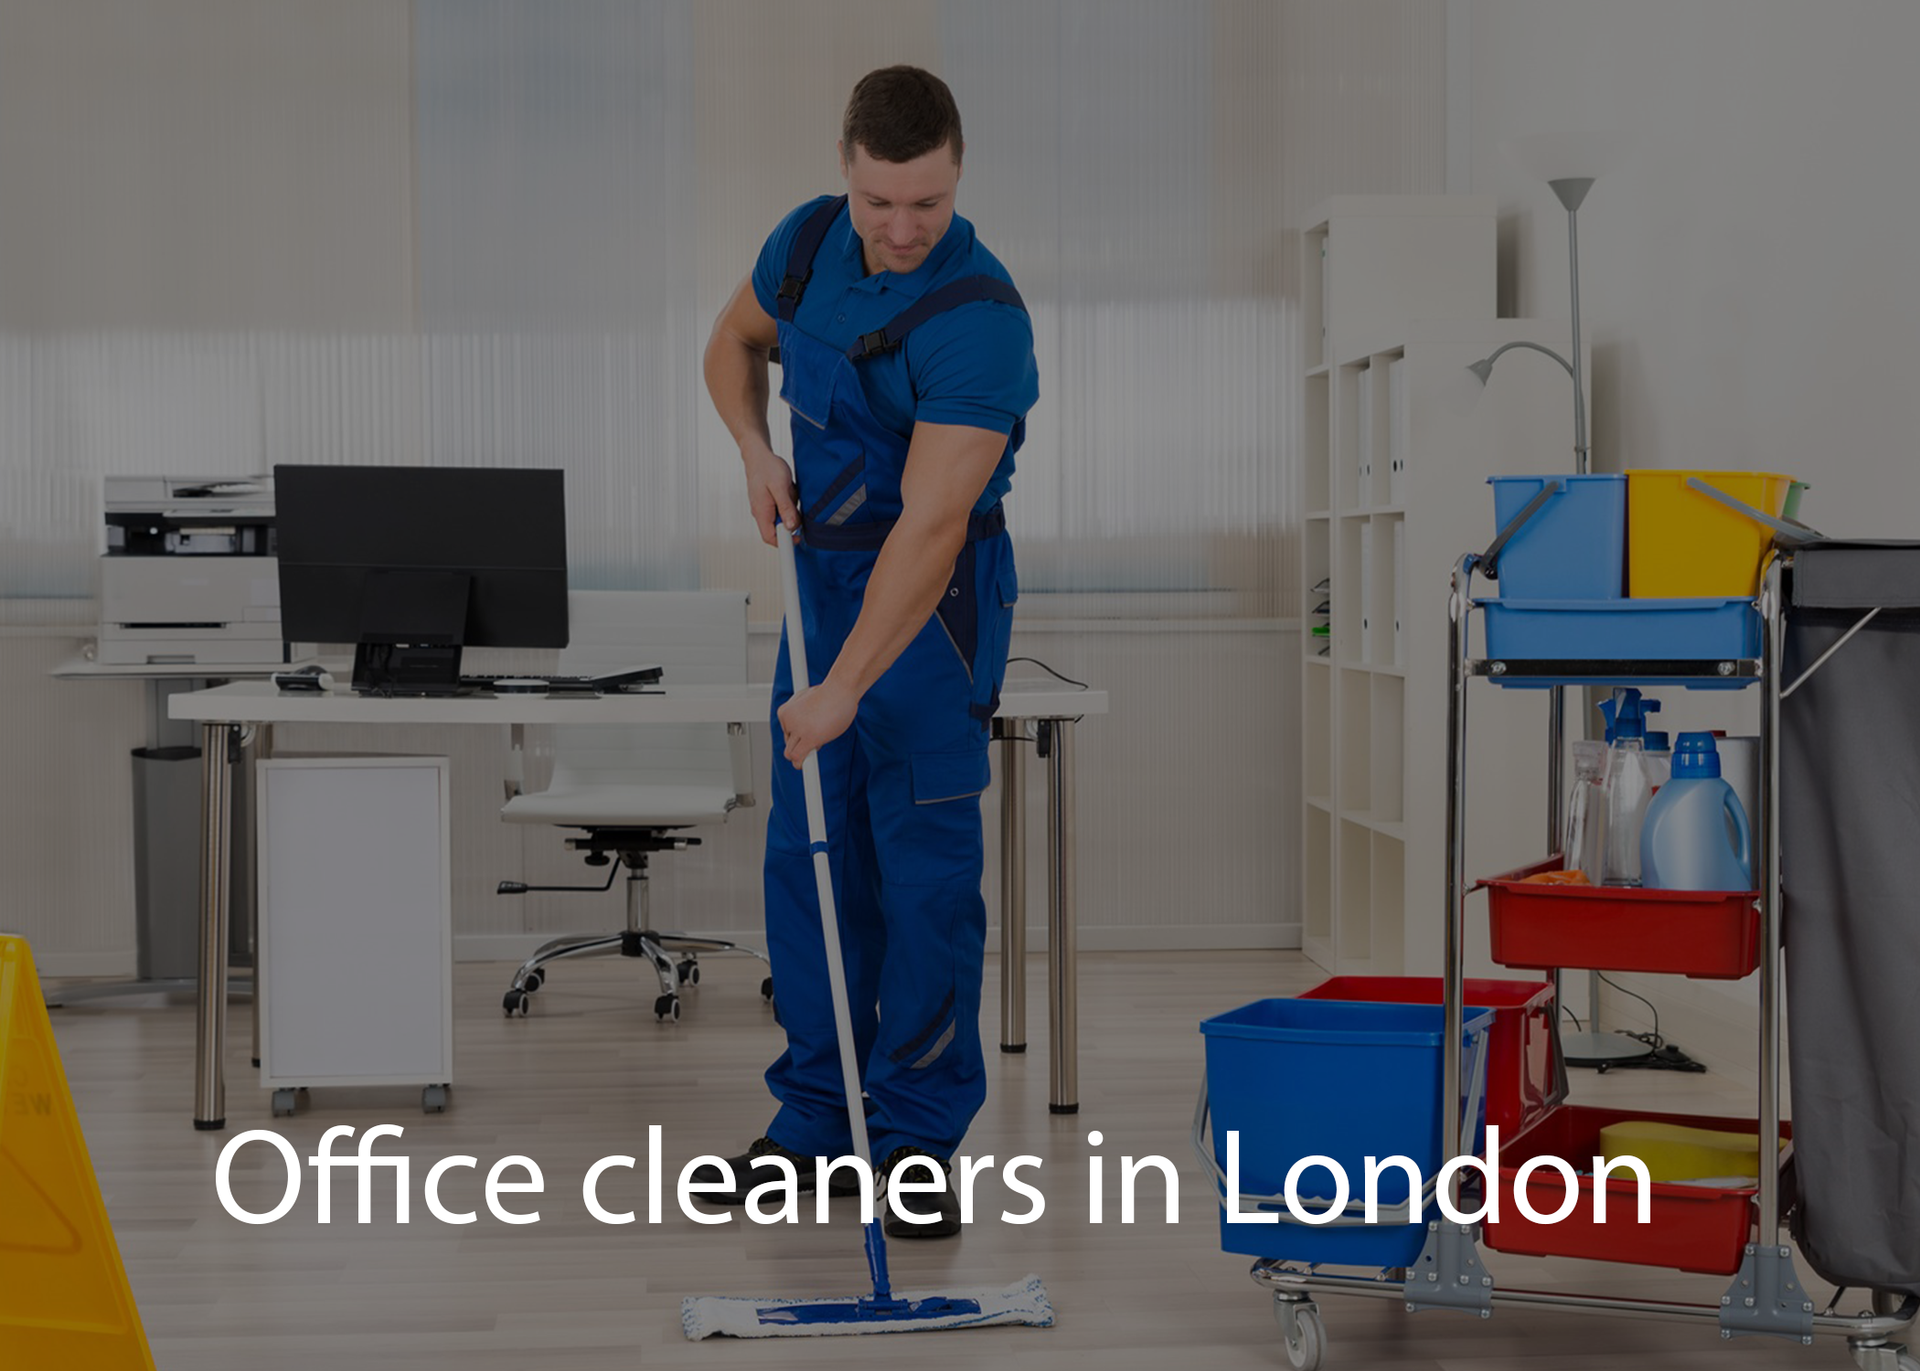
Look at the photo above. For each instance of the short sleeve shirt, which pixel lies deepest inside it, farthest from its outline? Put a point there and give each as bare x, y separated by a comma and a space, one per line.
970, 365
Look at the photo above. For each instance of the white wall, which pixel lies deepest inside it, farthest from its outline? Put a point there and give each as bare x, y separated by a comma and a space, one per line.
1747, 271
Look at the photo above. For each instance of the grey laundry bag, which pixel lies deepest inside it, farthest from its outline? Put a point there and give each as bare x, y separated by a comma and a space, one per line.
1850, 867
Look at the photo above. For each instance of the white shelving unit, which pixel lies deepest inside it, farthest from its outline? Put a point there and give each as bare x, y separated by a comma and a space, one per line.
1399, 440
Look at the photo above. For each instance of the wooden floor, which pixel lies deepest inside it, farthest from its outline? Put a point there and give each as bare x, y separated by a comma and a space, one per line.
586, 1075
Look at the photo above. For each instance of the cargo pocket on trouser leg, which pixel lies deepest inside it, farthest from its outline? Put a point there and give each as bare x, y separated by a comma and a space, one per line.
940, 776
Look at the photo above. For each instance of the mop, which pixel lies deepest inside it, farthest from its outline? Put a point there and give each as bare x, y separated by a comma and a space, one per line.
883, 1311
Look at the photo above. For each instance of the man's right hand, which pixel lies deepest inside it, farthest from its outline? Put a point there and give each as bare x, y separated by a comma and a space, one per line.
770, 493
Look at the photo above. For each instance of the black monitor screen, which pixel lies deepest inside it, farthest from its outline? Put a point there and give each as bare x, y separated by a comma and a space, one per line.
433, 557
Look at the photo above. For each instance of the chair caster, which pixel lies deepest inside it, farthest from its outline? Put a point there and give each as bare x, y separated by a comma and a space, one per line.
688, 971
516, 1002
667, 1009
533, 980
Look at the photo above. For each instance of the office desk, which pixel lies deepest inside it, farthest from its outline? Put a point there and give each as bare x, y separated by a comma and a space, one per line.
226, 715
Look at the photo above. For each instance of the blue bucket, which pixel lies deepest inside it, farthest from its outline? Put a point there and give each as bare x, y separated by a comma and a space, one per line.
1573, 548
1340, 1079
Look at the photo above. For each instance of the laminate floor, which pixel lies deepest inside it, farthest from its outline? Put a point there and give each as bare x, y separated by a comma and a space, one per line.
588, 1074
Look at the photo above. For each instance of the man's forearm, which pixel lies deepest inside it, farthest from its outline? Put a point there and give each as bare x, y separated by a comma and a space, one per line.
736, 374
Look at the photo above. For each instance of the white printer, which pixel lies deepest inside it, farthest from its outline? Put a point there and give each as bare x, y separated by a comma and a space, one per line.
189, 573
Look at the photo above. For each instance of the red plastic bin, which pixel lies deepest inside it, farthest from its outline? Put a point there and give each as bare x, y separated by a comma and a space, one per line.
1520, 1075
1711, 935
1691, 1227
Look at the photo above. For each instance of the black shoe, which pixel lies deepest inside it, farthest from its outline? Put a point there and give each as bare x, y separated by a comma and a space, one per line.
939, 1213
747, 1176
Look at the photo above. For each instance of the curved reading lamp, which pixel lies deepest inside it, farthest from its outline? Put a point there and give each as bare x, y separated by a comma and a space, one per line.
1569, 163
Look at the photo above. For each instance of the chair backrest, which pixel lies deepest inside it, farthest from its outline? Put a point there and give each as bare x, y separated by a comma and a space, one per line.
696, 637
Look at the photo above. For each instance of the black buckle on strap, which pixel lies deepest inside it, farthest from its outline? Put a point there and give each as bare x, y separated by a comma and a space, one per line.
876, 342
792, 287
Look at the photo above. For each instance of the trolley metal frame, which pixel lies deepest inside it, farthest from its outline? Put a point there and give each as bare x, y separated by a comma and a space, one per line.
1766, 1295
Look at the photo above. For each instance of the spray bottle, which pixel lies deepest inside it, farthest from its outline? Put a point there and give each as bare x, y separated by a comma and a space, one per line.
1629, 783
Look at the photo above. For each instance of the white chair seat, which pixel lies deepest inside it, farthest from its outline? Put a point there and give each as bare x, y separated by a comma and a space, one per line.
628, 805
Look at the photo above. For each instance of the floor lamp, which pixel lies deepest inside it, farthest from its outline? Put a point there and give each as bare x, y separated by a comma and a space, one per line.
1551, 158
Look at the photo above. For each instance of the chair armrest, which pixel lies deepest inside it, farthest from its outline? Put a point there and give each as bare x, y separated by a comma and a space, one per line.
742, 755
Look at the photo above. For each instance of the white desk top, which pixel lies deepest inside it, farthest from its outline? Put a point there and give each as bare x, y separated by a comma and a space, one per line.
249, 702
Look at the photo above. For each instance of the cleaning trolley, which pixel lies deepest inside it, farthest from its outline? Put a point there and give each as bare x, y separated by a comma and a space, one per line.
1766, 605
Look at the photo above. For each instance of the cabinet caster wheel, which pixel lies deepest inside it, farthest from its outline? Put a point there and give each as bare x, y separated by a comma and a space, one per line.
532, 981
285, 1102
1301, 1331
433, 1099
667, 1009
688, 972
516, 1002
766, 989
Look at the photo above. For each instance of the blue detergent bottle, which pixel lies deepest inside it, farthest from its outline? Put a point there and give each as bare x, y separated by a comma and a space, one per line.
1695, 835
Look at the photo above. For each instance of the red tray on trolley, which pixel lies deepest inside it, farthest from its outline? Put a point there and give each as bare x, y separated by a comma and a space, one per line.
1706, 934
1690, 1227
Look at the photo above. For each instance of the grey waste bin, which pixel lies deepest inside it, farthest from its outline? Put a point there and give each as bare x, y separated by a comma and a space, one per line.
166, 862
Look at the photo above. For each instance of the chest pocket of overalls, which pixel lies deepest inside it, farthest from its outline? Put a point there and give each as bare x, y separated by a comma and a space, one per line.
808, 378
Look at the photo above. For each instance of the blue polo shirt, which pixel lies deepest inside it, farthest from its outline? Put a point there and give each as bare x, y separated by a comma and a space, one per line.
971, 365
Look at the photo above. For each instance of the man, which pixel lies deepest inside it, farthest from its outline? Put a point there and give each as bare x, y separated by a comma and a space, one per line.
906, 359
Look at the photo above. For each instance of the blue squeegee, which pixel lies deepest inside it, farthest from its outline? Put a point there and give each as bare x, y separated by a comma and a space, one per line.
883, 1311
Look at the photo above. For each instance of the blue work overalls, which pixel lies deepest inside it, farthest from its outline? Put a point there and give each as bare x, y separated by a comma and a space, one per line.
902, 785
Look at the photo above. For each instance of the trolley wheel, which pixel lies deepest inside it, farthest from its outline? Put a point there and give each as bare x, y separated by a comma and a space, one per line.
1908, 1362
285, 1102
1301, 1331
516, 1002
667, 1009
433, 1099
533, 980
766, 989
688, 971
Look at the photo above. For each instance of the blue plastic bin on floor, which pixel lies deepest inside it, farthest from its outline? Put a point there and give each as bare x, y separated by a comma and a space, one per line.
1340, 1079
1573, 548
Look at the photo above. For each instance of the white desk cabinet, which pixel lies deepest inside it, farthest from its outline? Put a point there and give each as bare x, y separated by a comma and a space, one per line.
356, 925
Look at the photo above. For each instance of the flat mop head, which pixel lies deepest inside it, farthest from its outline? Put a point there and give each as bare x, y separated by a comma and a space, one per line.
709, 1316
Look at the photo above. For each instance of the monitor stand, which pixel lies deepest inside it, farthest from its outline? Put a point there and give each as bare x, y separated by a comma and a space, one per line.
411, 627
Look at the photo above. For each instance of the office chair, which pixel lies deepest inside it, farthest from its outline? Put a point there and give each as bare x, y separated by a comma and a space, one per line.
632, 790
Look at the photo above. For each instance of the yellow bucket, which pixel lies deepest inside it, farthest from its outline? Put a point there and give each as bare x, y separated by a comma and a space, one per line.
1683, 544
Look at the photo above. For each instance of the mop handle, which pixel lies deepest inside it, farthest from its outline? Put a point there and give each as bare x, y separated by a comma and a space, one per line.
822, 870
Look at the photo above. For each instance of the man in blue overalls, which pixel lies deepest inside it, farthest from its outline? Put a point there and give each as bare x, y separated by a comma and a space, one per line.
906, 359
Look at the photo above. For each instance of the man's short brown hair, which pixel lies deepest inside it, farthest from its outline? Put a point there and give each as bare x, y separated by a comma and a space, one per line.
900, 113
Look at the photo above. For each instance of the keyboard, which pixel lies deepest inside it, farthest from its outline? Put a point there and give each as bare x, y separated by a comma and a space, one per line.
531, 682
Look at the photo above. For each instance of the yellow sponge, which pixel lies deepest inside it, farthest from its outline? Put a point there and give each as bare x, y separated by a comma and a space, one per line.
1676, 1152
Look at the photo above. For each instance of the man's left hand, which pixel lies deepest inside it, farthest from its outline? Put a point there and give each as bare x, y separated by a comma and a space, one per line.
813, 718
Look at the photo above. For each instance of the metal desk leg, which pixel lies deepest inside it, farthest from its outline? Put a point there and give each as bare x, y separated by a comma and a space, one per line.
1013, 887
1062, 960
209, 1085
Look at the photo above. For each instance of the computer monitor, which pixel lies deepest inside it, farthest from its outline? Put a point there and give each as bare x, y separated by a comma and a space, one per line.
411, 564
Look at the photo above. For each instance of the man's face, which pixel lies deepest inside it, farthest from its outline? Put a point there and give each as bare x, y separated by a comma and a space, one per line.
900, 209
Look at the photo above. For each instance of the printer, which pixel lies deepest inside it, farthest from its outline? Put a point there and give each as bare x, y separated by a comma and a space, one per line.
189, 574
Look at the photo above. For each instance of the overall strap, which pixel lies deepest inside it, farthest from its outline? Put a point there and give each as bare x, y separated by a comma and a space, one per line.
950, 296
806, 243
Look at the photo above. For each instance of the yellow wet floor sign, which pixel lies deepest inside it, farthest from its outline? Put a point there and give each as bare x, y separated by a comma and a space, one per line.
64, 1300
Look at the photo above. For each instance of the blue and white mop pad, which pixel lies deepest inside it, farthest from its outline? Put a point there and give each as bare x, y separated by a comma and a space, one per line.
709, 1316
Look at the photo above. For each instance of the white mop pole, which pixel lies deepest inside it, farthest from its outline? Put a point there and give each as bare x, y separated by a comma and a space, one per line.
829, 916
